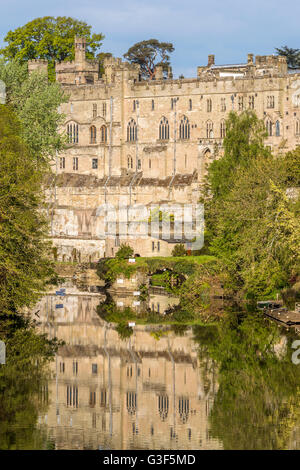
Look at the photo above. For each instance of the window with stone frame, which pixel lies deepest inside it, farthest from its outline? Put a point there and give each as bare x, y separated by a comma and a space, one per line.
184, 128
94, 110
72, 133
209, 130
131, 131
164, 130
103, 134
223, 104
93, 135
271, 102
251, 102
209, 105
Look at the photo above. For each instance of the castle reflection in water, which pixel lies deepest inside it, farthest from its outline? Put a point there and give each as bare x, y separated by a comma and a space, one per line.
109, 393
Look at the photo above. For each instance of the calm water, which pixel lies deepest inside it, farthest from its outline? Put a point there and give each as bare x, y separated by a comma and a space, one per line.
163, 388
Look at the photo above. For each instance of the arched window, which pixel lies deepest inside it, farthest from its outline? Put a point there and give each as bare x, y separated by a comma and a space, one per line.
269, 127
163, 406
209, 130
164, 129
184, 128
222, 129
297, 127
184, 408
209, 105
277, 128
103, 131
131, 131
72, 133
131, 402
93, 135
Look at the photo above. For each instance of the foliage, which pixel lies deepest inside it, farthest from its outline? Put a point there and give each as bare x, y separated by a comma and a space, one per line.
150, 54
124, 331
244, 142
35, 102
291, 167
24, 254
124, 252
292, 56
179, 250
144, 292
50, 39
254, 228
22, 380
257, 387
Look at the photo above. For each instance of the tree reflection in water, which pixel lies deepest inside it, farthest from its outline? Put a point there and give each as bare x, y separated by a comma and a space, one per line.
257, 403
23, 384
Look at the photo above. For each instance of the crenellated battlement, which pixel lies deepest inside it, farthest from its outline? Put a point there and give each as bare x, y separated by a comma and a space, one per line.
38, 64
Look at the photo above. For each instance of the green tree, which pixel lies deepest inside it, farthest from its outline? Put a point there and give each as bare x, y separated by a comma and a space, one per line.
292, 55
149, 54
243, 143
22, 383
35, 101
291, 167
24, 261
179, 250
51, 39
254, 228
124, 252
254, 407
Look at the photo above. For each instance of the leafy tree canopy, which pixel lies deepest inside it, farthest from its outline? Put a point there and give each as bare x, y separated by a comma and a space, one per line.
292, 56
253, 226
24, 261
124, 252
51, 39
149, 54
35, 101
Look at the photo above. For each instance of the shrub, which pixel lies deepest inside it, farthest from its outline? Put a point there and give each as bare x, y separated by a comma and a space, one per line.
179, 250
125, 251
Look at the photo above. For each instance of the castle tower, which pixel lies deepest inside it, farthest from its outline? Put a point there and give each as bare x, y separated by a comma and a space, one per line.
80, 50
38, 64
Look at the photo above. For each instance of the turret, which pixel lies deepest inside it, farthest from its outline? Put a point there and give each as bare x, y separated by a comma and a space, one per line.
80, 50
38, 64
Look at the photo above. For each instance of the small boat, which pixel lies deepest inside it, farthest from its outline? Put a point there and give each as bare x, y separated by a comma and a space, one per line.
269, 304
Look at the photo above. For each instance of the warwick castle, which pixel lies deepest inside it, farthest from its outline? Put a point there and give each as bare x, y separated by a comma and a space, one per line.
133, 141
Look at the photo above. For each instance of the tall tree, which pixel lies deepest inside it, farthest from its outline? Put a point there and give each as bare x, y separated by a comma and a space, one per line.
292, 56
51, 39
24, 258
254, 229
149, 54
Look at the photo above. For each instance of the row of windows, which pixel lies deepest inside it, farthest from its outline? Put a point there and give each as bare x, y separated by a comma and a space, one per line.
62, 163
93, 134
164, 129
209, 105
164, 134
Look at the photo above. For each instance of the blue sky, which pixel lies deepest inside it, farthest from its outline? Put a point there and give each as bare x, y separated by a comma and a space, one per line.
229, 29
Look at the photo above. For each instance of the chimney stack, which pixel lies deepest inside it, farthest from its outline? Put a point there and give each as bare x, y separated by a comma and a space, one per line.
250, 58
211, 60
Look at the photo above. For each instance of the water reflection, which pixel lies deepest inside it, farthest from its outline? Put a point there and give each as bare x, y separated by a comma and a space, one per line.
231, 385
140, 393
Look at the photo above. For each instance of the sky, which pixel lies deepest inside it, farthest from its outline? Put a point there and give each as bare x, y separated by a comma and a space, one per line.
229, 29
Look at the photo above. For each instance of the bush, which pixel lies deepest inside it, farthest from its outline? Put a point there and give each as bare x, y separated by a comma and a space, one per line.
124, 252
179, 250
